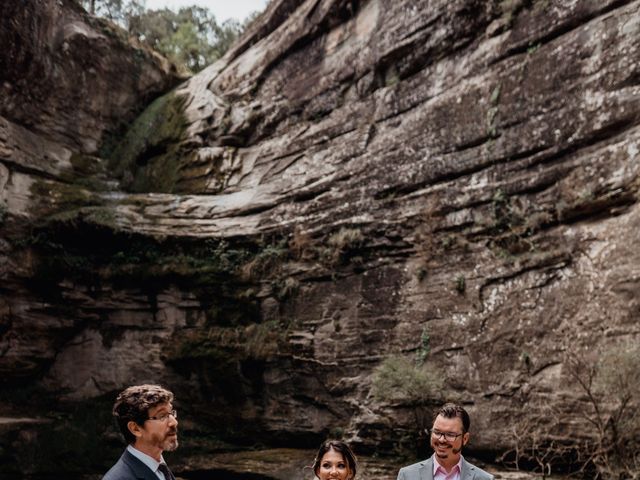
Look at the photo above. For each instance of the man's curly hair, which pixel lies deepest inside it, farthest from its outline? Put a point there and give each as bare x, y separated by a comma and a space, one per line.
133, 404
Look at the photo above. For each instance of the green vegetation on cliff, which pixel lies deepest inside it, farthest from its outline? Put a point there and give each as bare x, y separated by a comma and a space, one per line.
148, 158
190, 37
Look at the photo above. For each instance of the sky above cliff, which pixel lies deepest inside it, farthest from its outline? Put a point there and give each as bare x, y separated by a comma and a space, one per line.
222, 9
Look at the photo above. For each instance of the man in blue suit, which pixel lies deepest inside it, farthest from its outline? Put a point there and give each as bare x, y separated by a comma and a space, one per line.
148, 421
450, 432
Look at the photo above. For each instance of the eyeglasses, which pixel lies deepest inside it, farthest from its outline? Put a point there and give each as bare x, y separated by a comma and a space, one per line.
449, 436
164, 417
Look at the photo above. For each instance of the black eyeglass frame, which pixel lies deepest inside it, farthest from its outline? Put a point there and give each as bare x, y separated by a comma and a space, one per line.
165, 416
447, 435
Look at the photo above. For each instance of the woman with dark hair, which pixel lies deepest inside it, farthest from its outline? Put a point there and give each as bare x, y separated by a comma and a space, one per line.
335, 461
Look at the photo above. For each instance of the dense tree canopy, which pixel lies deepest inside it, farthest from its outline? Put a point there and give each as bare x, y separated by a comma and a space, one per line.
191, 37
118, 11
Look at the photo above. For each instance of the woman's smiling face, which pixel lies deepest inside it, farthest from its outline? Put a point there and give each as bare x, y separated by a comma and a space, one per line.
333, 467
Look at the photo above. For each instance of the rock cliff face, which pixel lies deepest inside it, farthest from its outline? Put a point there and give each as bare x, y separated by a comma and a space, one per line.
356, 180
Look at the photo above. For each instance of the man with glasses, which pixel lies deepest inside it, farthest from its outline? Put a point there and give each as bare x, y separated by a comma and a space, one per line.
450, 432
146, 418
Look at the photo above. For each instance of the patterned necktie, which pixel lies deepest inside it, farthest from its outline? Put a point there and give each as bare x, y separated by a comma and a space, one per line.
166, 472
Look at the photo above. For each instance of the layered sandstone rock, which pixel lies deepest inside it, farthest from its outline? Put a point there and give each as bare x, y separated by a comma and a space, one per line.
355, 180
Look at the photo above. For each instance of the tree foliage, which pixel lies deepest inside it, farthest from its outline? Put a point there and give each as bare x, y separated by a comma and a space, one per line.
118, 11
190, 37
597, 436
400, 380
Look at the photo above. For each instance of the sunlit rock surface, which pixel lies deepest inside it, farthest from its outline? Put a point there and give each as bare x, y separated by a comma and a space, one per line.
354, 180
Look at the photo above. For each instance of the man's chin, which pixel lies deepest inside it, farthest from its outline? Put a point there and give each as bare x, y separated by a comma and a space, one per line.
171, 445
442, 452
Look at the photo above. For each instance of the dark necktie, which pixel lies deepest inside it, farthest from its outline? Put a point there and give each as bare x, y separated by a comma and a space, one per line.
166, 472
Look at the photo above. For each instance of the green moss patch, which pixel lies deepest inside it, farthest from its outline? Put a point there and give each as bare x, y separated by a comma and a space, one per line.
85, 244
148, 159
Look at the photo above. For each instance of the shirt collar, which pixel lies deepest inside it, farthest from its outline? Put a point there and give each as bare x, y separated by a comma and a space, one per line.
150, 462
437, 466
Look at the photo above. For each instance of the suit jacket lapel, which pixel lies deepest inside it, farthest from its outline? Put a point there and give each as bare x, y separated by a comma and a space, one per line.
466, 470
426, 470
140, 469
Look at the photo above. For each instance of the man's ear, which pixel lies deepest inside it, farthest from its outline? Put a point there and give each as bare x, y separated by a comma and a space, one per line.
465, 438
134, 428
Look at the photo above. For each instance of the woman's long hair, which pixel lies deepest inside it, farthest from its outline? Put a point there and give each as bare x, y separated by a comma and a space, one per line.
340, 447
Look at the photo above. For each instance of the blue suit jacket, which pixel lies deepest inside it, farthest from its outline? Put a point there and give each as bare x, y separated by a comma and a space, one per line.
129, 468
424, 471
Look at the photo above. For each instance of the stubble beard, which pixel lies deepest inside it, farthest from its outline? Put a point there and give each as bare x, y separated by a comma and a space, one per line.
170, 444
447, 450
438, 447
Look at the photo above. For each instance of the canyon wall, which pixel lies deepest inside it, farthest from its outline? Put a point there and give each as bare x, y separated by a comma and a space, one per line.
449, 182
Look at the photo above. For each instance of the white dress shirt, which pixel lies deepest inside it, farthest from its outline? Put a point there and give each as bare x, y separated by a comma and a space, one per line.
150, 462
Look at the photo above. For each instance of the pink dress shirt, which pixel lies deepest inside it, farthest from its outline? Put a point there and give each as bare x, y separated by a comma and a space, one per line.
439, 473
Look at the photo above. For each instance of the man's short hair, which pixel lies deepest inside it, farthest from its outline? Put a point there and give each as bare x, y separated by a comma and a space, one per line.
453, 410
133, 404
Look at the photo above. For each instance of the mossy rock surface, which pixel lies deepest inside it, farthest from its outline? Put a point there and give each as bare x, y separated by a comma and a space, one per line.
148, 159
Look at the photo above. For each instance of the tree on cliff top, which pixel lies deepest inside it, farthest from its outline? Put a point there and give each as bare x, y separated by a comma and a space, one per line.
118, 11
190, 38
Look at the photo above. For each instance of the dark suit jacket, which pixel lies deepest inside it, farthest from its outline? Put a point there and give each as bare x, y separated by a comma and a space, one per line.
424, 471
129, 468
